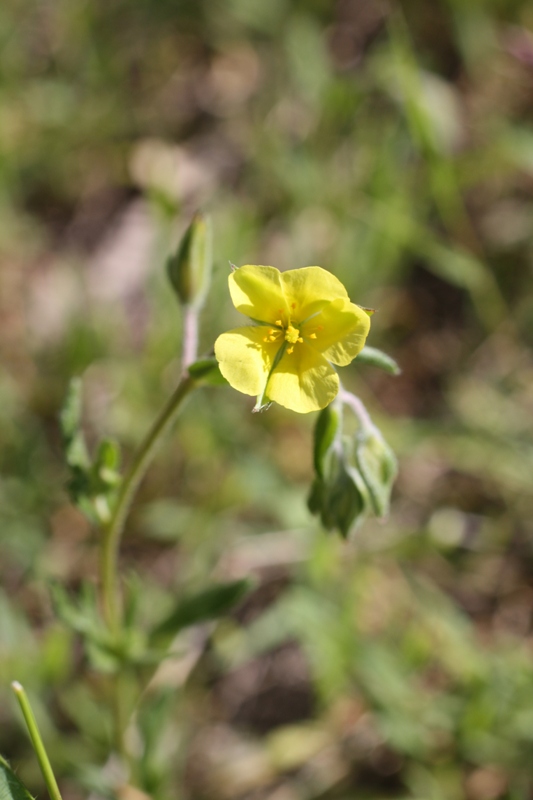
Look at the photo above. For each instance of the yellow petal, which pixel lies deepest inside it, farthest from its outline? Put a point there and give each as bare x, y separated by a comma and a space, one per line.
256, 291
344, 328
308, 289
303, 381
245, 360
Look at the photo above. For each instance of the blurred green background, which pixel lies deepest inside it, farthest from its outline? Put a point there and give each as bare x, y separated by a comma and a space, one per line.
391, 143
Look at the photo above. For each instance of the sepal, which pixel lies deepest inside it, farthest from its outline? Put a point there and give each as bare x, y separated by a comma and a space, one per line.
339, 497
377, 465
327, 425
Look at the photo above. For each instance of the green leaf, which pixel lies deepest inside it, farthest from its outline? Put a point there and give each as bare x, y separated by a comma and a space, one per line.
76, 453
79, 615
207, 372
70, 420
106, 652
108, 454
326, 429
377, 358
105, 472
92, 483
10, 786
207, 604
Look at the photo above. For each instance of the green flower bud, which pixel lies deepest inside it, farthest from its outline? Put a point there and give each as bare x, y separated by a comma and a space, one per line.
339, 497
378, 467
353, 474
189, 269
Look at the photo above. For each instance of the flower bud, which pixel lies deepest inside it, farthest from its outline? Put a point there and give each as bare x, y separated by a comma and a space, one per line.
378, 467
353, 473
339, 497
189, 269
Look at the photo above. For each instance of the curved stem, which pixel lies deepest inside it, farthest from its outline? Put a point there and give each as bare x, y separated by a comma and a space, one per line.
130, 483
358, 409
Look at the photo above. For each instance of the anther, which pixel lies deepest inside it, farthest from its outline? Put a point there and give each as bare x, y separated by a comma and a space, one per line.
290, 350
300, 339
272, 338
312, 335
278, 322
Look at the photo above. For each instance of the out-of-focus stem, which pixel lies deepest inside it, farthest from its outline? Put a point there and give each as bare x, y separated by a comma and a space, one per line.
37, 742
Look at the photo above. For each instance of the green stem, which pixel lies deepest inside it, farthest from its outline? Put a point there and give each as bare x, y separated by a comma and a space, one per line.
37, 742
130, 483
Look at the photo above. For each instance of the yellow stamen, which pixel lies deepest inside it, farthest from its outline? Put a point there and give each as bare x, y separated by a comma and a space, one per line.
292, 335
312, 335
290, 350
278, 322
272, 338
300, 339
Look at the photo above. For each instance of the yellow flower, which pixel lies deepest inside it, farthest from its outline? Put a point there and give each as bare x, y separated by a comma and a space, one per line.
303, 321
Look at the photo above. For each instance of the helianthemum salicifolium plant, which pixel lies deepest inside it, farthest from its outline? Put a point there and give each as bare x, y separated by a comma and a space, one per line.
303, 322
302, 327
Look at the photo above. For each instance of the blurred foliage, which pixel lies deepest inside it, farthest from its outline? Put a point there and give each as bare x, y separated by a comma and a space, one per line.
391, 143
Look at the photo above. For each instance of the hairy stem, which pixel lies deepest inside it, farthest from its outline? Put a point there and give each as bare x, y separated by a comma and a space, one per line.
113, 531
358, 409
190, 336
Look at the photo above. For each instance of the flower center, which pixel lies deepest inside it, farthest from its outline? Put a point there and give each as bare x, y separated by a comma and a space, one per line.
292, 335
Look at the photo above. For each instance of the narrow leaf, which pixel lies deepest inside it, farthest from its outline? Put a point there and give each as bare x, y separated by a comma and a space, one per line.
377, 358
204, 605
